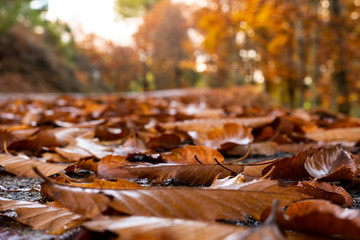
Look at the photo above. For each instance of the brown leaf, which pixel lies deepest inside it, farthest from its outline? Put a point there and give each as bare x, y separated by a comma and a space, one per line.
227, 133
132, 144
321, 217
186, 155
137, 227
35, 143
164, 142
22, 167
100, 183
192, 175
203, 125
6, 137
169, 202
87, 202
330, 163
268, 232
336, 135
104, 133
324, 190
264, 148
42, 217
82, 148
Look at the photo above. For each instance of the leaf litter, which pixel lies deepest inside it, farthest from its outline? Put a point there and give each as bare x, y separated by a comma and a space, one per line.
159, 171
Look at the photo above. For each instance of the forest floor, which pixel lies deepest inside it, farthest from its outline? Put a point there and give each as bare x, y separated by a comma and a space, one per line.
102, 159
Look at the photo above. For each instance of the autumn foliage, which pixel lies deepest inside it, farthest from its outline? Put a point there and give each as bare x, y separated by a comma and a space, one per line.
153, 166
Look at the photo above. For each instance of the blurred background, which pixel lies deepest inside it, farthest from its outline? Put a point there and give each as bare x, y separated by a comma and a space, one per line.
304, 53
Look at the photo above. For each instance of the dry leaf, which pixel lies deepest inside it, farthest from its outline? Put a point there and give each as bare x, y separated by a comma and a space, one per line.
159, 228
336, 135
42, 217
330, 163
87, 202
266, 232
99, 183
324, 190
227, 133
192, 175
321, 217
169, 202
186, 155
22, 167
202, 125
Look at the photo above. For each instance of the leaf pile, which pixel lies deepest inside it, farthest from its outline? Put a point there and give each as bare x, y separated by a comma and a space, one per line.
157, 167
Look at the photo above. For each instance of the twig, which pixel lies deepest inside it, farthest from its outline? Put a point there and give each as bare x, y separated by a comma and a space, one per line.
234, 174
5, 147
196, 158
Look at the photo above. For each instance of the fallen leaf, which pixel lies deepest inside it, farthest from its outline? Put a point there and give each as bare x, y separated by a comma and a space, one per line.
202, 125
99, 183
327, 163
268, 232
186, 155
192, 175
42, 217
138, 227
331, 163
169, 202
324, 190
87, 202
23, 167
321, 217
336, 135
164, 142
83, 148
264, 148
104, 133
227, 133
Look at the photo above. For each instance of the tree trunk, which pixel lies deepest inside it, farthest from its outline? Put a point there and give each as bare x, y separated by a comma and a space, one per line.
300, 54
313, 67
340, 74
145, 83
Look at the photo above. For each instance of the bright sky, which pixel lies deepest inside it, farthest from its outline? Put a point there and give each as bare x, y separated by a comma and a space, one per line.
93, 16
98, 16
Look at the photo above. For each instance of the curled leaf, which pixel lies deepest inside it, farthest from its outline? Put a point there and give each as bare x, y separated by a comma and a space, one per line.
227, 133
